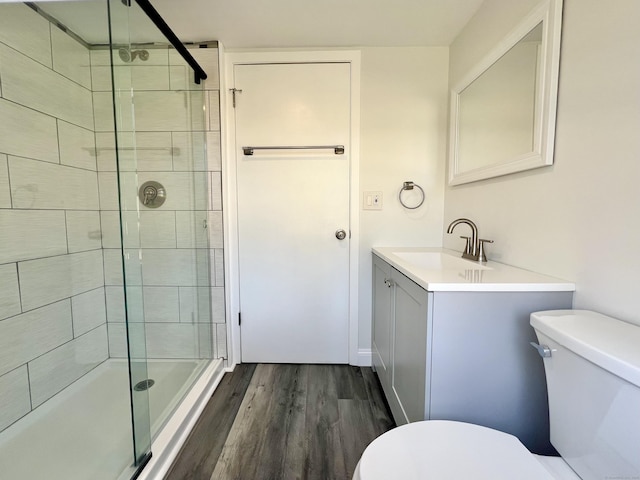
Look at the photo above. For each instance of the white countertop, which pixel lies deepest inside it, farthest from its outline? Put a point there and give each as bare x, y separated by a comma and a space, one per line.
455, 274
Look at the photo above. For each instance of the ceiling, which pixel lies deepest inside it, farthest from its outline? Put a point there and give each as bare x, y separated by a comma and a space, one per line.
283, 23
318, 23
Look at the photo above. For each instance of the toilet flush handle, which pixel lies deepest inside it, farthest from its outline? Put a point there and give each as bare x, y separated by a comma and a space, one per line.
543, 350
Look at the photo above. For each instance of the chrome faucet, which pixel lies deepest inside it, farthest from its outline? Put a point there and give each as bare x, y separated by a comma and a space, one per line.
474, 249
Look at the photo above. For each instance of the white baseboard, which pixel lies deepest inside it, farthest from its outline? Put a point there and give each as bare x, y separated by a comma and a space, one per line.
364, 357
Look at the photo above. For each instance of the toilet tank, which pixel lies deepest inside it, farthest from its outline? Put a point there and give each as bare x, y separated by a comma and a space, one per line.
593, 383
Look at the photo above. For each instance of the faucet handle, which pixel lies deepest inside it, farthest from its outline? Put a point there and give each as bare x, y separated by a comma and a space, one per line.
482, 257
467, 248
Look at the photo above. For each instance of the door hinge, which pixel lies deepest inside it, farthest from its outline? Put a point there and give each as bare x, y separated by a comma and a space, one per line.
233, 94
239, 318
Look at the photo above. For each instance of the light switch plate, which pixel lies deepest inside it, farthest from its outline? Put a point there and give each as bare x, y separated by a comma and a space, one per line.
372, 201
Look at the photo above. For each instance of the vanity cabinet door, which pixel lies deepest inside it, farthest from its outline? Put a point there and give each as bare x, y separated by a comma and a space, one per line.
409, 348
382, 321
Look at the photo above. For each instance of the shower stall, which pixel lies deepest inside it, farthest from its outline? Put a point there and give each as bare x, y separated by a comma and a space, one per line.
112, 301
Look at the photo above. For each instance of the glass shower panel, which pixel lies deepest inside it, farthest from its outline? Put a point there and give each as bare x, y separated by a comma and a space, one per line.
168, 159
129, 257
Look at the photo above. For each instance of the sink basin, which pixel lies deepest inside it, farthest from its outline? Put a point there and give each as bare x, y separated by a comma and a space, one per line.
439, 261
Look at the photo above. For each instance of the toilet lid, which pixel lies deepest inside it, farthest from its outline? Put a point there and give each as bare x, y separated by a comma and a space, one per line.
441, 450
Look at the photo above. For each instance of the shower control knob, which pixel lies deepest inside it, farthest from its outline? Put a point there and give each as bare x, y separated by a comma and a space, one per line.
152, 194
341, 234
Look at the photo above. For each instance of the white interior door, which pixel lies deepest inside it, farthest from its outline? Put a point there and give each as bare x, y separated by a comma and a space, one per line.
294, 271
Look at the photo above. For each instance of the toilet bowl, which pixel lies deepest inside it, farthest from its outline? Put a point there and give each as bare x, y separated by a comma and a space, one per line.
592, 368
441, 449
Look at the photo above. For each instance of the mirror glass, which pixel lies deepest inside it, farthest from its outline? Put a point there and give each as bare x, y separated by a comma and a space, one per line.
503, 112
496, 111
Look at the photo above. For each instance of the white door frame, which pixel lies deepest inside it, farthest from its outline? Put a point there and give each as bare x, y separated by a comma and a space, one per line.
230, 192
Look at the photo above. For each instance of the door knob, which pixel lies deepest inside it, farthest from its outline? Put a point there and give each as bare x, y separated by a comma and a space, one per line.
341, 234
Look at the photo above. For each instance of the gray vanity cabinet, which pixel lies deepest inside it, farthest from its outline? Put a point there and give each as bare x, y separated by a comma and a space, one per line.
399, 341
461, 355
382, 326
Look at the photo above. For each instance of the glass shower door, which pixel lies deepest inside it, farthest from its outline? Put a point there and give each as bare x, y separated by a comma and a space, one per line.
130, 254
163, 182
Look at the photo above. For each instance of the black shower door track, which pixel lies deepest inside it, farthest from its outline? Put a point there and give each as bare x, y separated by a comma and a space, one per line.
156, 18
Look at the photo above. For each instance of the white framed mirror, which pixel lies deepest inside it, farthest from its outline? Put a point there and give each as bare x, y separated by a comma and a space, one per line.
503, 112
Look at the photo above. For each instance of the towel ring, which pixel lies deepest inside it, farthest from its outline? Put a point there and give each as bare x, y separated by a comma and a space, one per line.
410, 186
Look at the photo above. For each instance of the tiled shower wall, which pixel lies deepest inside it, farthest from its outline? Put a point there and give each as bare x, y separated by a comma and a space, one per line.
178, 145
59, 233
52, 298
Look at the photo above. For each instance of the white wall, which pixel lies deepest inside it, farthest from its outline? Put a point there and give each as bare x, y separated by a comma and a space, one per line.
580, 218
403, 137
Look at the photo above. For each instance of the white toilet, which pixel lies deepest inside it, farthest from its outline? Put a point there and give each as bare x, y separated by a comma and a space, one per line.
593, 381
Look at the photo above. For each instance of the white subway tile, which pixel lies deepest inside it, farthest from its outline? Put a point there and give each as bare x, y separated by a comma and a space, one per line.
5, 191
221, 340
217, 305
108, 186
216, 239
173, 267
88, 311
152, 151
151, 229
195, 304
103, 112
9, 291
140, 77
115, 304
70, 58
161, 304
128, 182
205, 340
189, 151
218, 270
101, 80
83, 230
191, 229
216, 191
27, 234
157, 229
172, 340
112, 266
100, 58
182, 78
59, 368
213, 104
214, 151
77, 146
27, 336
18, 128
135, 309
106, 151
33, 85
47, 280
167, 111
117, 340
42, 185
27, 31
110, 228
14, 395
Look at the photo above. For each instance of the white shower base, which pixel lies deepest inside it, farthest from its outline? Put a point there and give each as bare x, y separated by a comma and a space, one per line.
84, 432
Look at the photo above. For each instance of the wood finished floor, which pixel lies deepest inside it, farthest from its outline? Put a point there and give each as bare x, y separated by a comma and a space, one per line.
281, 422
